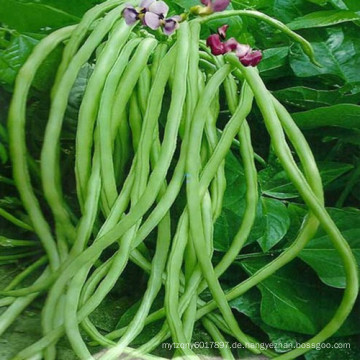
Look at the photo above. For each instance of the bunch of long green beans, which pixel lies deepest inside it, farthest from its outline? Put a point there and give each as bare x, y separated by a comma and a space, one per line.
130, 169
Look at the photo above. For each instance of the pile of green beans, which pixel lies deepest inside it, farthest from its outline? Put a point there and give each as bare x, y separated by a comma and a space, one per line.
129, 171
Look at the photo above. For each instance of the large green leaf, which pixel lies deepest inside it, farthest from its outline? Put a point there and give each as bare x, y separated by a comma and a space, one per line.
73, 7
277, 222
321, 254
275, 63
352, 5
275, 182
293, 300
106, 315
288, 10
338, 56
234, 203
308, 98
33, 16
14, 56
347, 136
323, 18
318, 2
248, 304
342, 115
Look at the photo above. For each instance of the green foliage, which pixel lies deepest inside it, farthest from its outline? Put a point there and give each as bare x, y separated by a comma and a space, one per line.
307, 98
34, 16
321, 255
341, 115
322, 19
324, 101
14, 55
293, 293
337, 54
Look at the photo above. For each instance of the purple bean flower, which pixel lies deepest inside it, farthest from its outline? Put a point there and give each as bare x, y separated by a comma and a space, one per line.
171, 24
131, 15
246, 55
252, 58
145, 4
231, 45
216, 5
211, 6
222, 31
215, 44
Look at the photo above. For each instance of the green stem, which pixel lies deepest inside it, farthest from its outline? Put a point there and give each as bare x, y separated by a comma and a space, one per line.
14, 220
28, 271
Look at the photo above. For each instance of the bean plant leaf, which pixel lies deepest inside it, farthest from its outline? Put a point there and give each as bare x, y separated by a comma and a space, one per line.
275, 182
287, 10
337, 55
106, 315
353, 5
308, 98
248, 304
14, 56
234, 203
275, 62
33, 16
289, 297
349, 136
323, 18
342, 115
72, 7
318, 2
277, 223
322, 256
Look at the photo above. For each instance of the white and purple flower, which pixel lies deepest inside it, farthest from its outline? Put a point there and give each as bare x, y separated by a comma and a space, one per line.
171, 24
156, 14
153, 14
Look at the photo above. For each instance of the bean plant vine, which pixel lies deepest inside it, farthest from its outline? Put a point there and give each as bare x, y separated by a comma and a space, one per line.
134, 157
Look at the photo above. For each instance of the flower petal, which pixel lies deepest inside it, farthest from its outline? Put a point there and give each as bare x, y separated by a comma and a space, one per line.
177, 18
222, 30
219, 5
145, 4
159, 8
242, 50
231, 44
206, 2
130, 15
171, 25
151, 20
215, 44
251, 59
